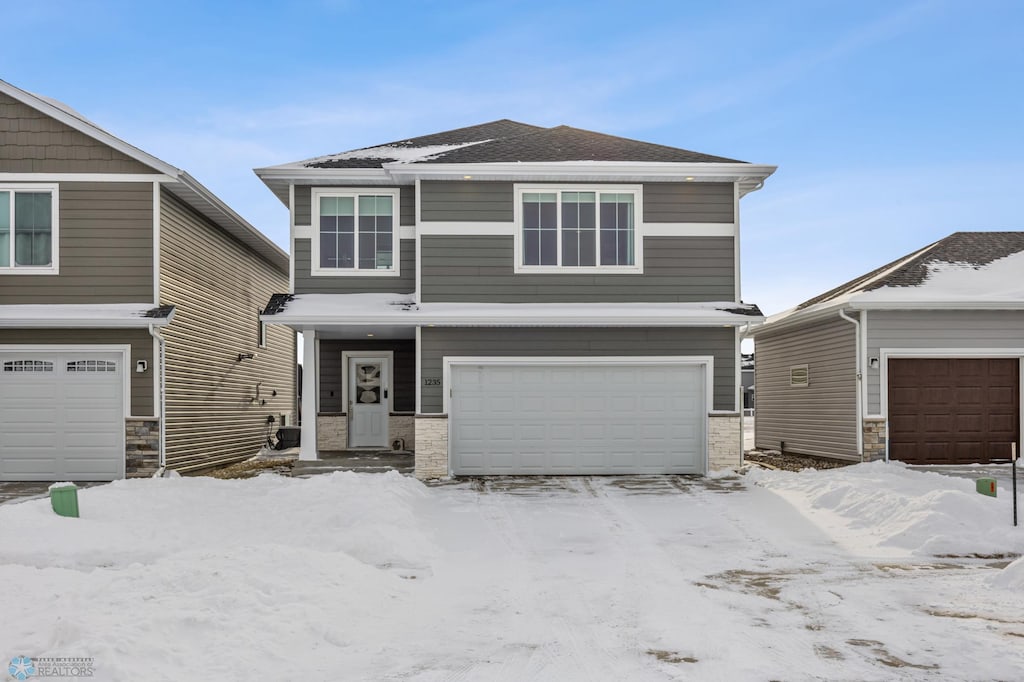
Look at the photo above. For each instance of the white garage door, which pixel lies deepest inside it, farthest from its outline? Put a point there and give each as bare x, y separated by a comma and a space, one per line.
577, 419
61, 416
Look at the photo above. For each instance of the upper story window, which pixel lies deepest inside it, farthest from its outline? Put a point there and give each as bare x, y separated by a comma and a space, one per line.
28, 229
356, 232
560, 229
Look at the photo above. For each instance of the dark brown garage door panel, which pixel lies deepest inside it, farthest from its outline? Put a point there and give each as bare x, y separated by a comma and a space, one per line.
953, 410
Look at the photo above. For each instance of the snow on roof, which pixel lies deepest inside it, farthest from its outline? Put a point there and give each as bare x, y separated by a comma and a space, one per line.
85, 315
395, 153
1000, 280
356, 309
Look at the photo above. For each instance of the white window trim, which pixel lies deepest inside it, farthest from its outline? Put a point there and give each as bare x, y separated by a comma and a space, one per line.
314, 211
261, 340
54, 267
638, 230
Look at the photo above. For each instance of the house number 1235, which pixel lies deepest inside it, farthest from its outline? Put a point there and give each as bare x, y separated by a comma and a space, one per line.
431, 381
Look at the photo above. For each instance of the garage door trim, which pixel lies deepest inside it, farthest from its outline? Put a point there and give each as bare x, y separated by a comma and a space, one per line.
123, 350
703, 363
448, 361
886, 354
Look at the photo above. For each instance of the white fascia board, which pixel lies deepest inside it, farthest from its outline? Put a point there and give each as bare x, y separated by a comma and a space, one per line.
313, 176
600, 170
936, 305
92, 323
455, 320
798, 318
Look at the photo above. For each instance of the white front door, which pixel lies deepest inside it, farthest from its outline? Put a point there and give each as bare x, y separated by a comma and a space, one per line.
368, 402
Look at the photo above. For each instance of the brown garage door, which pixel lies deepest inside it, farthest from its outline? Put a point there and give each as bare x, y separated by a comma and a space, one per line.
953, 411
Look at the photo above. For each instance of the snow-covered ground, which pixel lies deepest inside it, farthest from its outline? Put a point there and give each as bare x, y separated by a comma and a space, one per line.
851, 574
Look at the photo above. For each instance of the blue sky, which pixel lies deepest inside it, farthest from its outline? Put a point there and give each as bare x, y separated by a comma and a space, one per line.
893, 123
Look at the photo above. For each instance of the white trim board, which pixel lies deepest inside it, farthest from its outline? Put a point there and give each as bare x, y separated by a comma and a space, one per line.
85, 177
307, 232
707, 361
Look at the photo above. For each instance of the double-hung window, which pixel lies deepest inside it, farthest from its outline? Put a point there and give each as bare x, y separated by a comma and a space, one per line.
356, 232
562, 229
28, 229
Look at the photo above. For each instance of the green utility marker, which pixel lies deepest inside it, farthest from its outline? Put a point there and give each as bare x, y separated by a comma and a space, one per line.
987, 486
64, 499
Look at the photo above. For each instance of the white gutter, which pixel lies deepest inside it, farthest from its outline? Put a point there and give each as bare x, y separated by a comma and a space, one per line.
860, 383
441, 320
162, 411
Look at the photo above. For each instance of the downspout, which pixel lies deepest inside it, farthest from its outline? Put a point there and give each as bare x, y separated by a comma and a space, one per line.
162, 411
860, 383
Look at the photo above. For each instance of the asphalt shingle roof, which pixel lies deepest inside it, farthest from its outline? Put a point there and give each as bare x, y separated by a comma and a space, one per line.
969, 248
511, 141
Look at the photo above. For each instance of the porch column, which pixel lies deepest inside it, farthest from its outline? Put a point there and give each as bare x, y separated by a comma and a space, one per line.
310, 400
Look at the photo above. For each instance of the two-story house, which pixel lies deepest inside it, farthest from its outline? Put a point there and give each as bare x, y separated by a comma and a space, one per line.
130, 297
511, 299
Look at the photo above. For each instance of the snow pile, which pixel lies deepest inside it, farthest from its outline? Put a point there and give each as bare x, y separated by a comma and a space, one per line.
1011, 577
888, 509
373, 520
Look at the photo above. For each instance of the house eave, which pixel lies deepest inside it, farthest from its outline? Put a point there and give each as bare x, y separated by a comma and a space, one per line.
910, 304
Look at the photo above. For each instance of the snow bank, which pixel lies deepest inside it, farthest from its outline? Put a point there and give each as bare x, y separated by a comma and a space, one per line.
889, 509
374, 519
1011, 577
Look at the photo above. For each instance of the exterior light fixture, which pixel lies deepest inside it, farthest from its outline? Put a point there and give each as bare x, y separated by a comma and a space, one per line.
246, 356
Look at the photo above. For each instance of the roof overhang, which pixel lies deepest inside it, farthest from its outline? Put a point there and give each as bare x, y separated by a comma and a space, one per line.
84, 316
749, 177
320, 311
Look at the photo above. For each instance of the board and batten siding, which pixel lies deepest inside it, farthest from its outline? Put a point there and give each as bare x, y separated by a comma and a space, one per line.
574, 342
817, 419
106, 248
32, 142
961, 329
217, 405
481, 269
403, 372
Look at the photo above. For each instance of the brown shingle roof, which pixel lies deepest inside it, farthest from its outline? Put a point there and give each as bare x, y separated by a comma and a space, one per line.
564, 143
506, 141
970, 248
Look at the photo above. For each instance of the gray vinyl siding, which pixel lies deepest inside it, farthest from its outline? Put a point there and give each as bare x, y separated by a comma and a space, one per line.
403, 373
817, 419
139, 339
979, 329
106, 248
305, 283
32, 142
217, 406
303, 197
436, 343
483, 201
480, 269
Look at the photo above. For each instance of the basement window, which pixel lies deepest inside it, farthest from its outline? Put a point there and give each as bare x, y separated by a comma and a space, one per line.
799, 376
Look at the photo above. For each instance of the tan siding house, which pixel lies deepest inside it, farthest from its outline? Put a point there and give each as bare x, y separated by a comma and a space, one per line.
129, 304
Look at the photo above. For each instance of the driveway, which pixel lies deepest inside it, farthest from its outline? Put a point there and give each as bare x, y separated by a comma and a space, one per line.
19, 491
355, 576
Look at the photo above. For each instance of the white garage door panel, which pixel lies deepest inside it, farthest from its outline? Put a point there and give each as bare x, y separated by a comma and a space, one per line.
577, 419
63, 424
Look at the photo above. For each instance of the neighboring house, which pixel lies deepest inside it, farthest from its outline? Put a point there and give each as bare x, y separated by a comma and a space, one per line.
918, 361
747, 382
511, 299
127, 291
